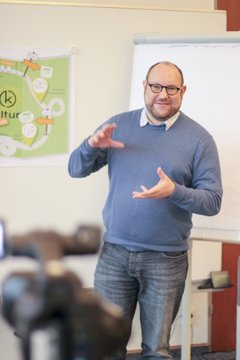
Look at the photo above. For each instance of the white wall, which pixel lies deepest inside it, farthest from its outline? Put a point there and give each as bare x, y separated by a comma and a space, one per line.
46, 197
104, 40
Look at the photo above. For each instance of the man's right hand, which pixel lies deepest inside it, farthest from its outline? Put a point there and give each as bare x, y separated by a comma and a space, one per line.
102, 138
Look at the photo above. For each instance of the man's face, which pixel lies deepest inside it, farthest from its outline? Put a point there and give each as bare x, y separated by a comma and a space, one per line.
161, 106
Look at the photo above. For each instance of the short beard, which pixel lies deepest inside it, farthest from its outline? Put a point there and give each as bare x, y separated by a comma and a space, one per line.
156, 117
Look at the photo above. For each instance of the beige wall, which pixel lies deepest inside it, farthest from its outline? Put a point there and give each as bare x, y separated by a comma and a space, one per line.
147, 4
33, 197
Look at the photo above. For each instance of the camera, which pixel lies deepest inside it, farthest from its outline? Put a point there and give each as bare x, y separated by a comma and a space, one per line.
55, 317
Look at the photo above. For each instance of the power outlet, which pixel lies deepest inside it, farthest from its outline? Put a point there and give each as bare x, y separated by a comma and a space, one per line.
192, 318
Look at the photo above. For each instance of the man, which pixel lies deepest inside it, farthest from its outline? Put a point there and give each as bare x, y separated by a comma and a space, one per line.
163, 167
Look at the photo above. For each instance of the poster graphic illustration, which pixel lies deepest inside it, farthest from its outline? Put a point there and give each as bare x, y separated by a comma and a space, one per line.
34, 106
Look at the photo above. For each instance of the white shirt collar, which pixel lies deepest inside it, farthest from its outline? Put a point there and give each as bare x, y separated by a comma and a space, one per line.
144, 119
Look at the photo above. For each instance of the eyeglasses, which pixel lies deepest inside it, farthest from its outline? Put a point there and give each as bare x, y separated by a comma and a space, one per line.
157, 88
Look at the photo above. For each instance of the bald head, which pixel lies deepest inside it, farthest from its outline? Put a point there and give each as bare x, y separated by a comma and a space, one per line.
166, 63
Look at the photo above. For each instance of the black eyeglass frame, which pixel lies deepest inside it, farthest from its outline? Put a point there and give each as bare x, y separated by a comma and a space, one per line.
161, 87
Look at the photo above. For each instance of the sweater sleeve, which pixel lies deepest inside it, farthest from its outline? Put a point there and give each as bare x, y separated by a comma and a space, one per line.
204, 196
85, 159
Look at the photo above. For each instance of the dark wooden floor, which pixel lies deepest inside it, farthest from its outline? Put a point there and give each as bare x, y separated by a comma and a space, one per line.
197, 353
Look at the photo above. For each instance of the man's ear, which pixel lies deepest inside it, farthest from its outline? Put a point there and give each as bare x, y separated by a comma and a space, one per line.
184, 89
144, 84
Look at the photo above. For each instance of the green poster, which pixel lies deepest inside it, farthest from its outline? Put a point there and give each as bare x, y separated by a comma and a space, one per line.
34, 94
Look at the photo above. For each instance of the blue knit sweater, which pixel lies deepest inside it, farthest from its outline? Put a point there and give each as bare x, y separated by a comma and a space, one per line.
187, 154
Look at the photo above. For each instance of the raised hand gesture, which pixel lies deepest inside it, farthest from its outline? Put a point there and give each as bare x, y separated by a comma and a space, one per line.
102, 138
162, 189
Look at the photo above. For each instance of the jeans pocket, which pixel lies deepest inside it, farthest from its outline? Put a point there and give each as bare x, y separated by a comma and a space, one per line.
174, 254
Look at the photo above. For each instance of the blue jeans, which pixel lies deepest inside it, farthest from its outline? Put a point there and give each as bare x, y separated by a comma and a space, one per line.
155, 280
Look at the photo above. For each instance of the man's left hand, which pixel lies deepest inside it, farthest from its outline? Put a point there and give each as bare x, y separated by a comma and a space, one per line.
163, 189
